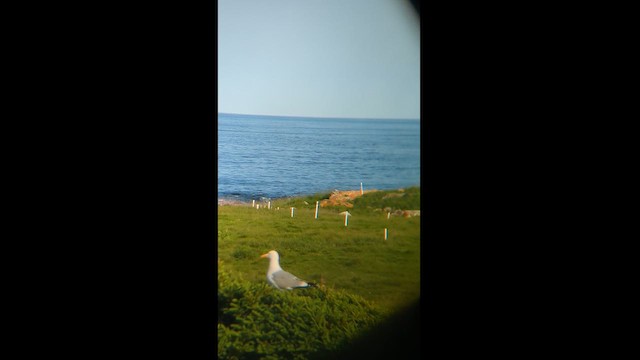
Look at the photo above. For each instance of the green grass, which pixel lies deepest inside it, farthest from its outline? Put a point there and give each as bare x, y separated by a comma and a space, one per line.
355, 259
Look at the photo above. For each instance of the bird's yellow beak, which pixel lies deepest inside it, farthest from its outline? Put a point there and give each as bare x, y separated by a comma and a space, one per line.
264, 255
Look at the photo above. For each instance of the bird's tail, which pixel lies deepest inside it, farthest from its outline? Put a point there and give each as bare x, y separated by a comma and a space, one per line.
309, 284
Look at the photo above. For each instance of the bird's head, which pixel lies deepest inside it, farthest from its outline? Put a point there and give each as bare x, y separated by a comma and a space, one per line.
270, 255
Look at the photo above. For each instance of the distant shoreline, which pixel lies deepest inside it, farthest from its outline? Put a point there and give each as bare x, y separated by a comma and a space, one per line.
237, 202
225, 201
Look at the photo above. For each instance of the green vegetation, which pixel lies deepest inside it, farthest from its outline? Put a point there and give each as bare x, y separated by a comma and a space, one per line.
363, 277
409, 199
300, 201
257, 321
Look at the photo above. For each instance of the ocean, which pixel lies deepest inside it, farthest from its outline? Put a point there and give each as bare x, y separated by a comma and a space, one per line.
267, 157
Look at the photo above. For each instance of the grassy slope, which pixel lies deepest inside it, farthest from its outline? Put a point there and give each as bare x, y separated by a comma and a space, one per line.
355, 258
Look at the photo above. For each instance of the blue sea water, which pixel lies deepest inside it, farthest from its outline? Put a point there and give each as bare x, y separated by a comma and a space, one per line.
274, 156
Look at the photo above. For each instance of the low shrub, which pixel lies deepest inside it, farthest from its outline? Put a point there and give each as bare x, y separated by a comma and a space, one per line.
408, 199
256, 321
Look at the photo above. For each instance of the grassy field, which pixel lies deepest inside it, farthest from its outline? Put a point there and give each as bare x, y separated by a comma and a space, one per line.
354, 258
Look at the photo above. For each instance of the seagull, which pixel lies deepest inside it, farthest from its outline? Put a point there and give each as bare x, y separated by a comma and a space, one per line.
279, 278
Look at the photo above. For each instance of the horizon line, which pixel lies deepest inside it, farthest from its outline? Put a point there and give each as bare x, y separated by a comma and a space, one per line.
319, 117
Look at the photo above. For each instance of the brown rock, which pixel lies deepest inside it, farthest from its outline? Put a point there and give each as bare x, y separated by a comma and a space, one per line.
410, 213
342, 198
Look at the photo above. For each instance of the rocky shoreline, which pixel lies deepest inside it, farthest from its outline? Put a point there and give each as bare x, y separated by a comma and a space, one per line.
337, 198
232, 202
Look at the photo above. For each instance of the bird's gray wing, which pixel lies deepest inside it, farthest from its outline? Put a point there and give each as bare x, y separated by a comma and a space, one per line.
285, 280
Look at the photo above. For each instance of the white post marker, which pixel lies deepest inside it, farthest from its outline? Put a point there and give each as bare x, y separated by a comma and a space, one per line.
361, 191
317, 202
386, 233
269, 205
292, 211
253, 203
258, 206
346, 218
388, 214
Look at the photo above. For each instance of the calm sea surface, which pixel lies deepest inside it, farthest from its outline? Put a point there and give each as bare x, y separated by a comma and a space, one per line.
272, 156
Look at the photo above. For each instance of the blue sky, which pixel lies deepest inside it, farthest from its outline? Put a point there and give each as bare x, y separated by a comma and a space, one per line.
319, 58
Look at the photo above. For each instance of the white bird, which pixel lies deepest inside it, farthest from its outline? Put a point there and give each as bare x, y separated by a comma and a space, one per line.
279, 278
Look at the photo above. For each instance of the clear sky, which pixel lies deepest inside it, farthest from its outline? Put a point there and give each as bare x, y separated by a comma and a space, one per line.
319, 58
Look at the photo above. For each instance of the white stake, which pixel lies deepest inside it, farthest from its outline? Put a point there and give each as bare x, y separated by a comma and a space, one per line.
292, 212
361, 191
258, 206
269, 205
386, 233
388, 214
346, 218
253, 203
317, 202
